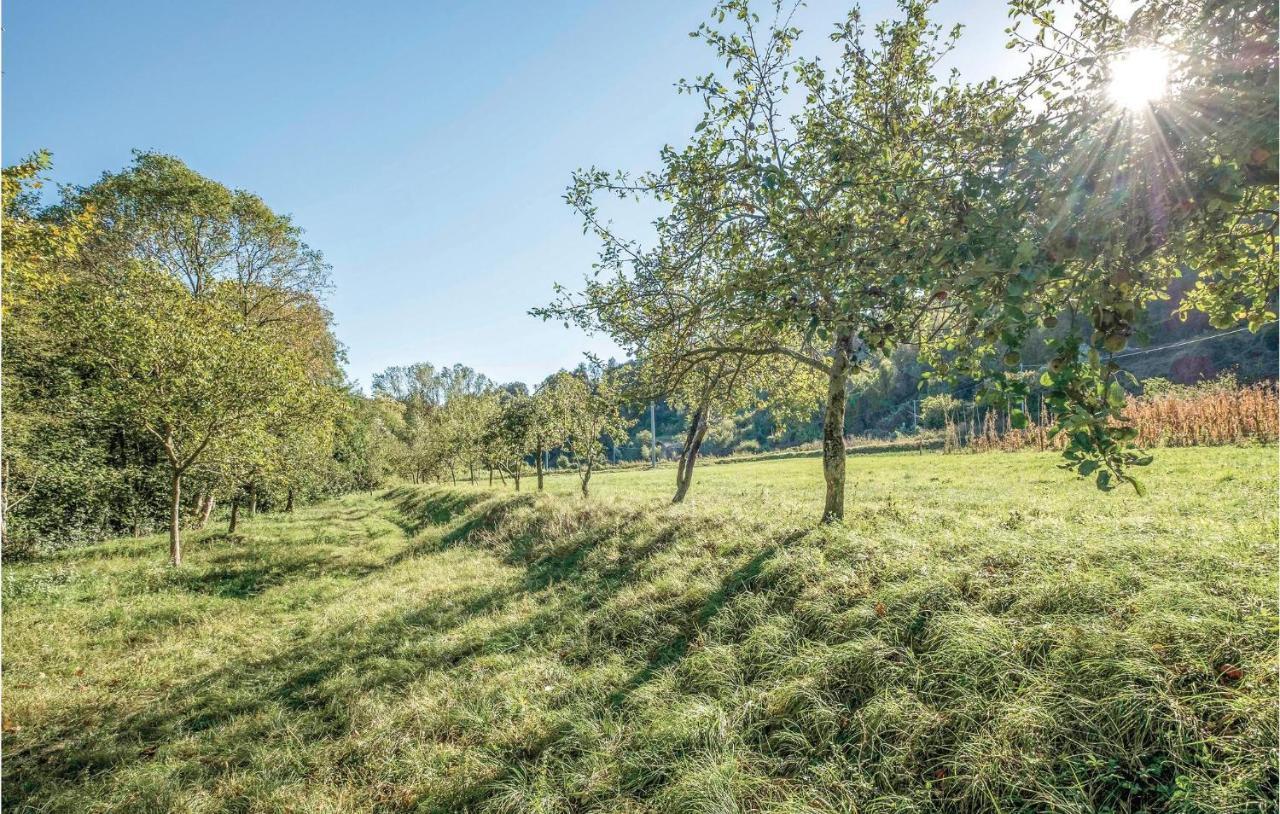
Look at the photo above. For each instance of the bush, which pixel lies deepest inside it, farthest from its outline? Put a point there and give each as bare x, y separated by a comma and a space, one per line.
935, 409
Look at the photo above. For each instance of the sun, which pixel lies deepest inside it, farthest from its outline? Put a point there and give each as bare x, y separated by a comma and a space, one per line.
1139, 77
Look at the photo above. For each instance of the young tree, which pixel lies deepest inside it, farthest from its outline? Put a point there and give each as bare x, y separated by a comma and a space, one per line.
544, 426
510, 437
730, 384
822, 214
585, 409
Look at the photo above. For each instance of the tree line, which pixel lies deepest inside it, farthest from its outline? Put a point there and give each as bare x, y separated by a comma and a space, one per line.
447, 423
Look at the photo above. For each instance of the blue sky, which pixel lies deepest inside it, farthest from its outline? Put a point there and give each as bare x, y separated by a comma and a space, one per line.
424, 146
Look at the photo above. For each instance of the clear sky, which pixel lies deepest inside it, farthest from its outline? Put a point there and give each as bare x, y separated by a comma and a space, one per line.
424, 146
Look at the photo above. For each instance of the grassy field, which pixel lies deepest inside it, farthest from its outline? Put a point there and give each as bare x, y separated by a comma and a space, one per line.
984, 633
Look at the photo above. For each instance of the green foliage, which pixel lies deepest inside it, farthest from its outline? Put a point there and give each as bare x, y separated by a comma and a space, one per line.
583, 409
828, 213
935, 410
161, 328
1119, 204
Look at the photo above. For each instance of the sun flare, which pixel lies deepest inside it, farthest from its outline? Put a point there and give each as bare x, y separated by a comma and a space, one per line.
1139, 77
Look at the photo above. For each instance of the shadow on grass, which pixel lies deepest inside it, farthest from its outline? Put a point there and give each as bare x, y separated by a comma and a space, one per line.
418, 508
673, 652
312, 689
244, 575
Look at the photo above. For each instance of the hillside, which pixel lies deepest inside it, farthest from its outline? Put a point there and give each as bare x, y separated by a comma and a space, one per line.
983, 633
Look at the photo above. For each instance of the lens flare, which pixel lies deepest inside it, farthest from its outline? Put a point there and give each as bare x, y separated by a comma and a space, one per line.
1139, 77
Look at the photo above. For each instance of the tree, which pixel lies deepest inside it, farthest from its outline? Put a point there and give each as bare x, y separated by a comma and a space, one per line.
584, 408
819, 198
417, 423
165, 215
185, 370
57, 478
124, 304
363, 454
511, 436
733, 384
544, 425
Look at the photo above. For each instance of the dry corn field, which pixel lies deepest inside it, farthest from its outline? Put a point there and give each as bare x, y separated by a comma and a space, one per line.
1239, 415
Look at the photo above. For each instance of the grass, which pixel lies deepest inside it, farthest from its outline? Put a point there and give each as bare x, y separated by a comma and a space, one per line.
984, 633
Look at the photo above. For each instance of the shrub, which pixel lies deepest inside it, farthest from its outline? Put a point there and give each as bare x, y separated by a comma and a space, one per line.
935, 409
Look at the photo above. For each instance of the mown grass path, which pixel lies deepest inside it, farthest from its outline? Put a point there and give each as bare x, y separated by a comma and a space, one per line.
983, 633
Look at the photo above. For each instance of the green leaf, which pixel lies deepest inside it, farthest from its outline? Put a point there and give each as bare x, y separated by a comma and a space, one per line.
1116, 395
1137, 485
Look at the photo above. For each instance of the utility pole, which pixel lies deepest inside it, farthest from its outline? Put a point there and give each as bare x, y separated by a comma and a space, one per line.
1022, 368
653, 436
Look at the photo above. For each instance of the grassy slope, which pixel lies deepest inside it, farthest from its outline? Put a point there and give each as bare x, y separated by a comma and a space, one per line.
983, 633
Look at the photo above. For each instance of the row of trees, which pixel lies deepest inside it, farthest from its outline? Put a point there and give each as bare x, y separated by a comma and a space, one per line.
453, 421
165, 343
823, 214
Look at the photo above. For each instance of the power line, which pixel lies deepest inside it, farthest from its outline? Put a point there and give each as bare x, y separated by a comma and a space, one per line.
1142, 351
1183, 342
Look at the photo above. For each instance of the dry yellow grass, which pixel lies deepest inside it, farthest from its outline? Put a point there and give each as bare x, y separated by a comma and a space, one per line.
1180, 417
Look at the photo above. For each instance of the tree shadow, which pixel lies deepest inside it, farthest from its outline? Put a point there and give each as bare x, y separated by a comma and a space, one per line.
246, 575
672, 652
299, 680
572, 565
418, 508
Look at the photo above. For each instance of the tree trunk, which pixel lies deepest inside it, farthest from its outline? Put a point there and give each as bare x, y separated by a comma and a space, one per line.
689, 454
253, 500
586, 477
473, 472
206, 509
490, 478
833, 451
516, 475
235, 514
175, 514
540, 456
288, 501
